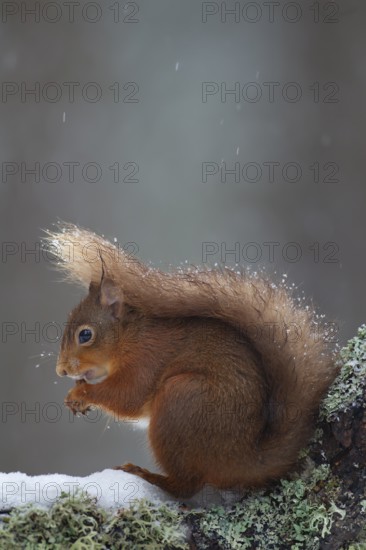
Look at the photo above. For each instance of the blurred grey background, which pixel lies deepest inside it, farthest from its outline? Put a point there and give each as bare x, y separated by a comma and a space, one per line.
141, 111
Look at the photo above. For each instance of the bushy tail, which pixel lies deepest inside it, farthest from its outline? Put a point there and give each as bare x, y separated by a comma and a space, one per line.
287, 335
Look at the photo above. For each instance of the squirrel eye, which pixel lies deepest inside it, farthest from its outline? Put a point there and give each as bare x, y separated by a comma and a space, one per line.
85, 336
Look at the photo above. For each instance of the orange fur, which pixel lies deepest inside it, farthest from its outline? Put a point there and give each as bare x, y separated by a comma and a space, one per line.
229, 368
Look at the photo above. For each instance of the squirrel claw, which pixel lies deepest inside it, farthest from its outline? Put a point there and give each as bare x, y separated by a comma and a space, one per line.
77, 407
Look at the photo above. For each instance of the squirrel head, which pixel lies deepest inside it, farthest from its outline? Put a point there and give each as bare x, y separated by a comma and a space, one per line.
94, 332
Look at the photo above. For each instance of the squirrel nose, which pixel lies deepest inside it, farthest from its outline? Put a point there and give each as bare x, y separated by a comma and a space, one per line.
60, 370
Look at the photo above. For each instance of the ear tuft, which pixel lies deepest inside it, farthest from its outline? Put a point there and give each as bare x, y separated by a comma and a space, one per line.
111, 296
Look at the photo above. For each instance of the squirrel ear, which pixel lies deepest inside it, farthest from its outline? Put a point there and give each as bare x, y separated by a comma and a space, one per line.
93, 287
112, 296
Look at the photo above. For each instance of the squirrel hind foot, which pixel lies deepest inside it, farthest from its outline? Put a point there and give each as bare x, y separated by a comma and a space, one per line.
178, 488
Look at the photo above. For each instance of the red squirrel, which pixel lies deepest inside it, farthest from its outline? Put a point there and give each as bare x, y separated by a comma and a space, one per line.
227, 366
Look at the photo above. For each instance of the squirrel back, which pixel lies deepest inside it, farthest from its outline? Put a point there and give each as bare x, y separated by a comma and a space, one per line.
284, 339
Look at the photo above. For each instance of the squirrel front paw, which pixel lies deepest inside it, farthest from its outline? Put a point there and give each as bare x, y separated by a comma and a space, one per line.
76, 400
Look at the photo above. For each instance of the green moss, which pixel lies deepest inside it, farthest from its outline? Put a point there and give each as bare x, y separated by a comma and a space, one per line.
349, 385
79, 524
289, 516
